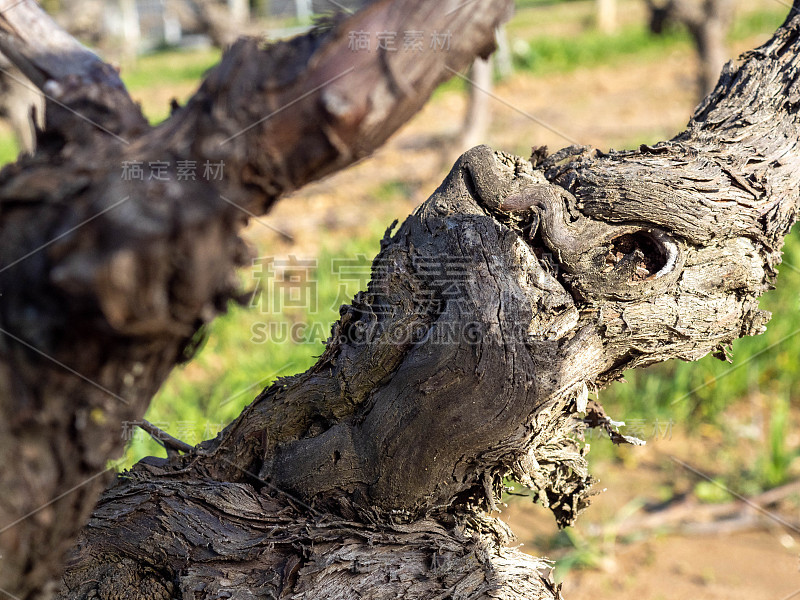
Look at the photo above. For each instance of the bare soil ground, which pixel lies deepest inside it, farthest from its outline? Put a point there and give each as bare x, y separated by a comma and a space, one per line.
637, 101
752, 562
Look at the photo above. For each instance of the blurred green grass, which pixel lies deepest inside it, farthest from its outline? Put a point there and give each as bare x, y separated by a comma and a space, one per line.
545, 54
169, 68
9, 149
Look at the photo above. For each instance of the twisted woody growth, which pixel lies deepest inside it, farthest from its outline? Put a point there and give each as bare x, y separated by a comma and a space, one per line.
372, 474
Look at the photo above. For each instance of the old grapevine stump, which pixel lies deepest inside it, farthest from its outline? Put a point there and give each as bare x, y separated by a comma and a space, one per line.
373, 473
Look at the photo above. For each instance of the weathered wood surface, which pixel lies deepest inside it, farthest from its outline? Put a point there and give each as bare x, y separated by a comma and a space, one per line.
106, 283
570, 268
215, 540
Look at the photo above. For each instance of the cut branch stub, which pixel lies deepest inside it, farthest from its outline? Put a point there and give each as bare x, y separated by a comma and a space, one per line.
599, 260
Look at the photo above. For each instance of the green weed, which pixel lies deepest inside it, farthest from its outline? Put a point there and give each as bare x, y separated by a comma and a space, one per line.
169, 67
773, 466
9, 149
544, 55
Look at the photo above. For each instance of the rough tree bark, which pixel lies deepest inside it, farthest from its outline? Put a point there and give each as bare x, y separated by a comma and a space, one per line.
515, 287
106, 283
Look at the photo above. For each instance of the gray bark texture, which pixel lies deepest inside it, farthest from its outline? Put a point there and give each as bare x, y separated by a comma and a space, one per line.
106, 282
517, 286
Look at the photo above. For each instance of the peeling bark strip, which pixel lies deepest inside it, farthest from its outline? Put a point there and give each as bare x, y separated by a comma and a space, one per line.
106, 284
577, 266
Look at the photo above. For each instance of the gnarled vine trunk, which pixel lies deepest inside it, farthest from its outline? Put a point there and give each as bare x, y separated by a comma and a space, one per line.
107, 280
515, 287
